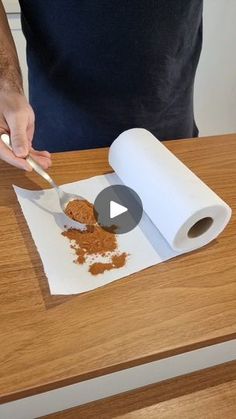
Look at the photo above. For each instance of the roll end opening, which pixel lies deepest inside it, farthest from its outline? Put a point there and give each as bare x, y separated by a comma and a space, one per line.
200, 227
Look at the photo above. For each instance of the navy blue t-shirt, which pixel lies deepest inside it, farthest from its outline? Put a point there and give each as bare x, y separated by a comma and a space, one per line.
99, 67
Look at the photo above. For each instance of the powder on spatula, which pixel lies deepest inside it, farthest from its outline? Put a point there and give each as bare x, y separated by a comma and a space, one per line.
81, 211
94, 241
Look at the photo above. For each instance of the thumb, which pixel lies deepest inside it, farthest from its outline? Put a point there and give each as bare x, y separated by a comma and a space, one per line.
18, 133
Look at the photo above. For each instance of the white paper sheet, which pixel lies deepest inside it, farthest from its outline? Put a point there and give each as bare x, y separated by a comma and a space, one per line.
175, 199
145, 245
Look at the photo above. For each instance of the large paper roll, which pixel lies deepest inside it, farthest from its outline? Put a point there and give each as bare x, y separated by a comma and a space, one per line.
183, 208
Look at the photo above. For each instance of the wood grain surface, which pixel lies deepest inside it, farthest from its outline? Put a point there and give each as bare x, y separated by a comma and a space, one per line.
183, 304
207, 394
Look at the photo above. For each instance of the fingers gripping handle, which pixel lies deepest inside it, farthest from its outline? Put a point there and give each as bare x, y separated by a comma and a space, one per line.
7, 141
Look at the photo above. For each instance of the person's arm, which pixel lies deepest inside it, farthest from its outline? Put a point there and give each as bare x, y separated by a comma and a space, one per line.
16, 114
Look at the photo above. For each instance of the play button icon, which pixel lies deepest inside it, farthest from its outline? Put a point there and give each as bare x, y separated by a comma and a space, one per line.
118, 209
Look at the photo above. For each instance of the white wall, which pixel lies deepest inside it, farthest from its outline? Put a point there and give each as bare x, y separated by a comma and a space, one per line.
215, 86
11, 6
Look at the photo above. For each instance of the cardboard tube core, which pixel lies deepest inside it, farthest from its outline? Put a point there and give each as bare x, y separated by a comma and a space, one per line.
200, 227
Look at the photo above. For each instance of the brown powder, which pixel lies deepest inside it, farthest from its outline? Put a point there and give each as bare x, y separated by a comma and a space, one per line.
117, 262
81, 211
94, 241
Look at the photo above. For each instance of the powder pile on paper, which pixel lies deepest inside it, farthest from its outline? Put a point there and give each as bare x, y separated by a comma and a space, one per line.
117, 261
94, 241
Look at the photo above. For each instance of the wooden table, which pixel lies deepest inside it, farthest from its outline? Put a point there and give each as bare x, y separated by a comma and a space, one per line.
208, 394
183, 304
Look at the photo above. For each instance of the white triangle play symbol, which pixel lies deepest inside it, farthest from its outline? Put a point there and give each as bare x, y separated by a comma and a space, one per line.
116, 209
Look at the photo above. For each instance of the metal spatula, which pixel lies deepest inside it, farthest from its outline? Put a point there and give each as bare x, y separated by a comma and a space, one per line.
64, 197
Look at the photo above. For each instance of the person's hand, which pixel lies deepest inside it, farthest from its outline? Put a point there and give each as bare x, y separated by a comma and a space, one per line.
17, 119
